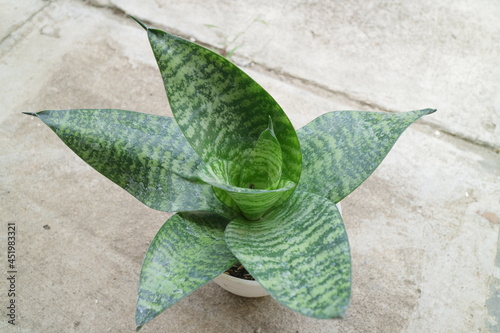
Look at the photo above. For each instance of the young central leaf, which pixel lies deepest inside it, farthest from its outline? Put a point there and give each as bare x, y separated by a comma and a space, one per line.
256, 186
262, 169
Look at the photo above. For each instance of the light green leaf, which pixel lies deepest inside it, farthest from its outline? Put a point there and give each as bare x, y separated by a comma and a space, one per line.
255, 187
145, 154
341, 149
299, 253
252, 203
219, 108
187, 252
262, 169
255, 203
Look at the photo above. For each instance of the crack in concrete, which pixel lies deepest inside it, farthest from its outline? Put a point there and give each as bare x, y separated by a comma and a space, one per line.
309, 85
117, 10
18, 26
314, 87
114, 8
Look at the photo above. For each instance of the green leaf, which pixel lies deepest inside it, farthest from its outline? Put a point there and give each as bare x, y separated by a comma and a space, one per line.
262, 169
255, 187
219, 108
252, 203
341, 149
145, 154
299, 253
255, 203
187, 252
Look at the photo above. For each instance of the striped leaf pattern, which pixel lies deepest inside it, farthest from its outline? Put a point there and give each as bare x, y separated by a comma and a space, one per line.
255, 203
252, 203
299, 253
219, 108
145, 154
342, 148
187, 252
256, 186
262, 169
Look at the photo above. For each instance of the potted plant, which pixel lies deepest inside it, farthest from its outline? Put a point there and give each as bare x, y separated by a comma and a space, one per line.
246, 186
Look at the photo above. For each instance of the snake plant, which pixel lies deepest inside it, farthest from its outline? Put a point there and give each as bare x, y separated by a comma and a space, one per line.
246, 186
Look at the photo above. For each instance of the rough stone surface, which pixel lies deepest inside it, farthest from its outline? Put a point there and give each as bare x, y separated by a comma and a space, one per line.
424, 229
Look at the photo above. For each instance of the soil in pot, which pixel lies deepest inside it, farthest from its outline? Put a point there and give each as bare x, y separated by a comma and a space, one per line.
237, 270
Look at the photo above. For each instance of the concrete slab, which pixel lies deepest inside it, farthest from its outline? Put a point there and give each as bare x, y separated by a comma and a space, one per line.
383, 55
15, 14
423, 229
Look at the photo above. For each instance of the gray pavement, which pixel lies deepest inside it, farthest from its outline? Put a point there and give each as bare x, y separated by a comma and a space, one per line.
424, 229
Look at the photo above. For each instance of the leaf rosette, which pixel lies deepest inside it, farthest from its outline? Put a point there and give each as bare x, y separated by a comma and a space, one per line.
231, 164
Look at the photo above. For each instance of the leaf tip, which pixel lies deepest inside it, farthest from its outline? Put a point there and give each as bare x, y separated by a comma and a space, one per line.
142, 315
139, 22
30, 113
140, 321
270, 125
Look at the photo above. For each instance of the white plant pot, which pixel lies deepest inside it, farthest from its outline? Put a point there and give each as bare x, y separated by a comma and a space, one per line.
242, 287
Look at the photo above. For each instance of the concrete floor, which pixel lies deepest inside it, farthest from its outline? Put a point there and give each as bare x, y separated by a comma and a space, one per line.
424, 229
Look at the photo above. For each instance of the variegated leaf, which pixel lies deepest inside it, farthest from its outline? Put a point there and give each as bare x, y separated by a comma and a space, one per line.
219, 108
187, 252
256, 186
145, 154
299, 253
342, 148
252, 203
262, 168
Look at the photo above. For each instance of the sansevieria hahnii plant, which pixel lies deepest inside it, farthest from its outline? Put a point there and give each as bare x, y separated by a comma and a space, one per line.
247, 187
